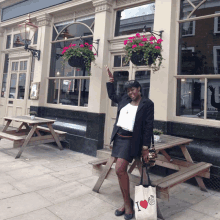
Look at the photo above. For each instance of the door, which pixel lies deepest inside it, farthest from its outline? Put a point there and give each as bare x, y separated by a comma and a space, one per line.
17, 92
123, 73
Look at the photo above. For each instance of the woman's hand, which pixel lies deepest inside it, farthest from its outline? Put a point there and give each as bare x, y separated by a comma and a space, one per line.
145, 155
111, 78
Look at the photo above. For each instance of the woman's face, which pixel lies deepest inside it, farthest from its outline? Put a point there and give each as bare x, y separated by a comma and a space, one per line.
134, 93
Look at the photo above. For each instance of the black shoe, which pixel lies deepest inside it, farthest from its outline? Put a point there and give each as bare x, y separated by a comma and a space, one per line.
119, 213
128, 216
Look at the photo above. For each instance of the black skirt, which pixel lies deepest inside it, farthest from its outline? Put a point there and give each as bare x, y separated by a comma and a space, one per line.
121, 148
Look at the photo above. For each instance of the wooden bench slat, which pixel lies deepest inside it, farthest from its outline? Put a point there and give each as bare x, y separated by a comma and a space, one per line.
99, 161
48, 130
183, 175
10, 137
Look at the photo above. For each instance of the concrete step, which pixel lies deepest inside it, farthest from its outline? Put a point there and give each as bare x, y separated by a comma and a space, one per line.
104, 153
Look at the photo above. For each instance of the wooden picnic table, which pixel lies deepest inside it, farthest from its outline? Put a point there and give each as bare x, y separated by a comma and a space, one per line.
186, 169
32, 134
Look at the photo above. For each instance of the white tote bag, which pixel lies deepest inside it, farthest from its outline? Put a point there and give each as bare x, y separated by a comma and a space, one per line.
145, 200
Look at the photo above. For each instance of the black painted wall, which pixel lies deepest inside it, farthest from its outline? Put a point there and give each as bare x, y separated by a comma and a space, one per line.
88, 141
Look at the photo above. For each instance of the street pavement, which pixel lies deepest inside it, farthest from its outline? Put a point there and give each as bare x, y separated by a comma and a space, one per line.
48, 184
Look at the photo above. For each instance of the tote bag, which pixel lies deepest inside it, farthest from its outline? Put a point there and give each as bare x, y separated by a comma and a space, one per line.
145, 200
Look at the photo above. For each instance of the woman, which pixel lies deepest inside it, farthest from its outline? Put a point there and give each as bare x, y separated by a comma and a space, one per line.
131, 134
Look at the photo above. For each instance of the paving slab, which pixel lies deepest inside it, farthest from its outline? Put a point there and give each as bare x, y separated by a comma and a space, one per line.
42, 214
209, 206
64, 192
29, 172
18, 205
7, 190
190, 214
72, 174
5, 167
83, 208
5, 178
37, 183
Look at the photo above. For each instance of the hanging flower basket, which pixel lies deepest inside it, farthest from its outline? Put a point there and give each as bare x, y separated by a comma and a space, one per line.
75, 61
142, 51
81, 56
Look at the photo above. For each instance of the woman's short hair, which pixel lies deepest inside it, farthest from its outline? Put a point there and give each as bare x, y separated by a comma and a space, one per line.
132, 83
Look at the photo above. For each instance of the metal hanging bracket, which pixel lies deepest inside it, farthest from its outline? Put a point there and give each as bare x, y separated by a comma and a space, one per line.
96, 42
159, 33
35, 53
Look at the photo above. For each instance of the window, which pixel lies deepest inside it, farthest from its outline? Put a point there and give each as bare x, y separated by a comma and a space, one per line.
119, 61
216, 54
120, 77
74, 89
199, 61
17, 41
21, 85
13, 82
143, 77
23, 65
5, 74
217, 24
134, 19
35, 37
32, 75
8, 42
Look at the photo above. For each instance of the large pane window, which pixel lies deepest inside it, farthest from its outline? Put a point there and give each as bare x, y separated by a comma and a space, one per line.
32, 75
13, 82
120, 77
8, 42
53, 91
191, 98
143, 77
21, 85
133, 20
4, 83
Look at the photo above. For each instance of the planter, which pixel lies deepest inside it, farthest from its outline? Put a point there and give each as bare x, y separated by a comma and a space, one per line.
157, 138
76, 62
138, 59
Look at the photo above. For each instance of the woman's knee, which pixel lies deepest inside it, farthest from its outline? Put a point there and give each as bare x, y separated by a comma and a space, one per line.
121, 167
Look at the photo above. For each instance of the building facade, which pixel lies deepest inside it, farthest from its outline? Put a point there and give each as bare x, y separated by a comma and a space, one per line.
78, 101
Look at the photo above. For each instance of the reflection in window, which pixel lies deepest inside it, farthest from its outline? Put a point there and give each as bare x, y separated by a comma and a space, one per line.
84, 92
143, 77
4, 82
21, 85
35, 37
32, 75
120, 77
213, 99
53, 90
12, 90
117, 61
17, 41
134, 19
14, 66
6, 63
190, 97
8, 43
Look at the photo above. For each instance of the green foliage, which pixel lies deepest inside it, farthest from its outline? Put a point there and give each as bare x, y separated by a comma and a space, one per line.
84, 52
157, 132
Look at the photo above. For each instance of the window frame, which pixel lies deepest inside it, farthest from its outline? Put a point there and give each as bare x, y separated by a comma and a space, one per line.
215, 48
216, 31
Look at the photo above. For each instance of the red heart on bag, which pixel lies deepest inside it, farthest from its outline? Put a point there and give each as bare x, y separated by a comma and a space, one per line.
144, 204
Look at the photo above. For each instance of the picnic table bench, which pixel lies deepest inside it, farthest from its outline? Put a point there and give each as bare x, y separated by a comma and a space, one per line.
186, 169
32, 134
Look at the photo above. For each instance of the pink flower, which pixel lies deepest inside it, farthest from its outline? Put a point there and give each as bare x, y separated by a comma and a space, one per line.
152, 38
125, 42
157, 47
64, 51
91, 45
134, 46
130, 38
151, 42
159, 41
137, 35
81, 45
130, 41
86, 44
144, 39
140, 44
90, 48
73, 45
95, 54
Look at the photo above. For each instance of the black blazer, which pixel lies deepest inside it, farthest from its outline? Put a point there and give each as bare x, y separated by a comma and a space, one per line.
143, 125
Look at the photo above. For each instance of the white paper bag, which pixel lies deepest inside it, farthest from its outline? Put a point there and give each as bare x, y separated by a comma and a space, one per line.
145, 203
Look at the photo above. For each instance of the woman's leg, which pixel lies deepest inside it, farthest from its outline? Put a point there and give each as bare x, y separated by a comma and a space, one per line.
121, 171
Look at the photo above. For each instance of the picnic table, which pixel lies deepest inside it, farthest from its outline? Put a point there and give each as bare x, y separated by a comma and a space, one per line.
186, 169
33, 133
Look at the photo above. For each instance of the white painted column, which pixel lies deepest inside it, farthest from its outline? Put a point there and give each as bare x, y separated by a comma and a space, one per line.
162, 88
42, 66
102, 31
